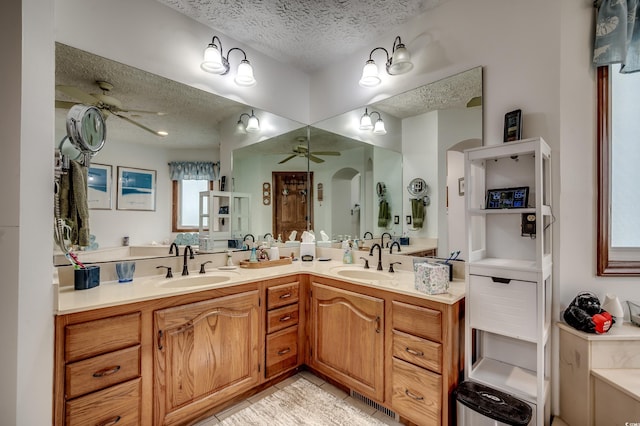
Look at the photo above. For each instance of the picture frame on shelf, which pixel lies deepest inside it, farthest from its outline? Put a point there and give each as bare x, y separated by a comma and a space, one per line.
513, 126
136, 189
99, 183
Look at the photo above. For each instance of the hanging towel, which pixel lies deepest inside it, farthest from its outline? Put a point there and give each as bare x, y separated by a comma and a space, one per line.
383, 214
417, 211
74, 208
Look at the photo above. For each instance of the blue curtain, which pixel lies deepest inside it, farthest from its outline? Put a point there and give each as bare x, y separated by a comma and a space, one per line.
194, 170
617, 35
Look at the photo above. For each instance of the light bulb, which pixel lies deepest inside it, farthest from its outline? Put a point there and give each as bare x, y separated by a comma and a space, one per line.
212, 60
369, 75
244, 76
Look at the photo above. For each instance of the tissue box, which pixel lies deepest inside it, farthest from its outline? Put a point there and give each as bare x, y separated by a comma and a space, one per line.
431, 278
308, 249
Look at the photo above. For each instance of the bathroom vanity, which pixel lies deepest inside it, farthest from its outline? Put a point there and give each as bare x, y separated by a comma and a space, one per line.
158, 352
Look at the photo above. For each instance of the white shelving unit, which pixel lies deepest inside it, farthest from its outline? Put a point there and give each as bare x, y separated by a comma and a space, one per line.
223, 216
508, 299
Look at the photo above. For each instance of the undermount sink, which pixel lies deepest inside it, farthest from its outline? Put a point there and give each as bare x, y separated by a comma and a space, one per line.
195, 281
363, 274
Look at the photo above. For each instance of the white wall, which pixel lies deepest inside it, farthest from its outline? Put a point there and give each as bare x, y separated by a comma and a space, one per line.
26, 172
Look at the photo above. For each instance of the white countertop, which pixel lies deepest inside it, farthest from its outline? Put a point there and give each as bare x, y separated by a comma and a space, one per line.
143, 288
624, 331
626, 380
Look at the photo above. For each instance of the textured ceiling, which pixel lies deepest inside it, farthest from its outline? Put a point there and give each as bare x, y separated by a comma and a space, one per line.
306, 34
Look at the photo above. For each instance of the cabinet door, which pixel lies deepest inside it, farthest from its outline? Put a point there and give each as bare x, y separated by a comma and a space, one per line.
206, 352
347, 338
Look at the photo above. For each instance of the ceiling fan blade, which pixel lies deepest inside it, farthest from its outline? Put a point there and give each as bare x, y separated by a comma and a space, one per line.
315, 159
78, 94
139, 111
65, 104
135, 123
287, 159
335, 153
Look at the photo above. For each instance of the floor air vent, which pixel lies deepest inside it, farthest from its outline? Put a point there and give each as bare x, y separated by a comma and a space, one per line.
374, 404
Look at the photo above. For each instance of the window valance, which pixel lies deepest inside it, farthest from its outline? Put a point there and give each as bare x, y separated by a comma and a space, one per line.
617, 34
194, 170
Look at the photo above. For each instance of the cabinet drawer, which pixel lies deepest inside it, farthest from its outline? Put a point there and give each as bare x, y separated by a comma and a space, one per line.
508, 307
280, 318
281, 295
119, 404
101, 371
418, 351
282, 351
416, 320
100, 336
416, 393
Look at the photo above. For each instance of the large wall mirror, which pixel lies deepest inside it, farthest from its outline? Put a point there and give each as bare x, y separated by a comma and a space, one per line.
328, 172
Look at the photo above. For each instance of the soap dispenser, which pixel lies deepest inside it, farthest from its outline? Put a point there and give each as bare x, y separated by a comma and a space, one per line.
254, 254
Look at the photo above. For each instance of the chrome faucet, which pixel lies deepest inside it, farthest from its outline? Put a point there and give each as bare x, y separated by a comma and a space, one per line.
177, 249
364, 237
382, 239
185, 268
379, 268
395, 243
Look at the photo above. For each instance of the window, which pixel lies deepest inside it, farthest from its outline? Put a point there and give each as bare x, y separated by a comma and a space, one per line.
186, 203
618, 138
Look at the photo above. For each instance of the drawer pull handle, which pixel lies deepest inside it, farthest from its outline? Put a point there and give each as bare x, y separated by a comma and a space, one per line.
111, 421
412, 395
378, 324
285, 318
414, 352
159, 340
285, 296
500, 280
284, 351
106, 371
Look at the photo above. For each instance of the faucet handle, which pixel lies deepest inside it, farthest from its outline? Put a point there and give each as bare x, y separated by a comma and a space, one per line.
169, 274
391, 265
366, 262
202, 271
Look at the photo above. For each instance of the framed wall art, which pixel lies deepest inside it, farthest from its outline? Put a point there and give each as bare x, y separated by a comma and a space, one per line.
136, 189
99, 178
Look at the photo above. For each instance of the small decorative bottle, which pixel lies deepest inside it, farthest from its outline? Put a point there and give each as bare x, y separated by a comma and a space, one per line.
254, 254
229, 258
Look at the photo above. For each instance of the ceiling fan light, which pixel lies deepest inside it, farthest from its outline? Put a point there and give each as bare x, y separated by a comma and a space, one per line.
162, 133
369, 75
379, 129
244, 76
400, 62
253, 124
213, 61
365, 122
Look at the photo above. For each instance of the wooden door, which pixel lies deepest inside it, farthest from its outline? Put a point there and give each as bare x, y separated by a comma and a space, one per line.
206, 352
292, 195
348, 337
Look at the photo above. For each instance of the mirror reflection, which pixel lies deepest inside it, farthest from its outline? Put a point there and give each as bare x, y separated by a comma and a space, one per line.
323, 177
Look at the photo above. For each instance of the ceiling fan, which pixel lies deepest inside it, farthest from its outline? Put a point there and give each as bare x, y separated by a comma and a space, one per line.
106, 103
303, 151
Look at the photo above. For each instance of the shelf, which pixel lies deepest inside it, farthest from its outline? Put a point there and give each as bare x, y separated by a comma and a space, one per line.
502, 263
509, 378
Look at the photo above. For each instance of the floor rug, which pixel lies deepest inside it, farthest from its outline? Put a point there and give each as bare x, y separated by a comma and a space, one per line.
301, 403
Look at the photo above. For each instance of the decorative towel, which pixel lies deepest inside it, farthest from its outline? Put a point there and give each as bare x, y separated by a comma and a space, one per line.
384, 214
74, 208
417, 211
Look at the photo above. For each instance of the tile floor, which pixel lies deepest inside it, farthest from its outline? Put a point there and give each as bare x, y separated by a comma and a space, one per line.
214, 420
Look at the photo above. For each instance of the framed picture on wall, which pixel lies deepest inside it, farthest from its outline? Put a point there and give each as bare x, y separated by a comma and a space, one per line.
136, 189
99, 179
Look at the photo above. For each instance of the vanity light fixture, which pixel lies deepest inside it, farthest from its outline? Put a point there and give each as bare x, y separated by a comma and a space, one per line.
253, 124
398, 63
215, 62
367, 124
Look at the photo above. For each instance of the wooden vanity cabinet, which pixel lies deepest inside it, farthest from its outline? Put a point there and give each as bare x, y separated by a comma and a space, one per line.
347, 337
100, 371
206, 352
283, 333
